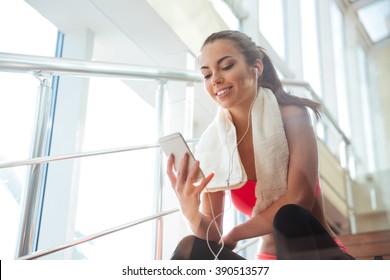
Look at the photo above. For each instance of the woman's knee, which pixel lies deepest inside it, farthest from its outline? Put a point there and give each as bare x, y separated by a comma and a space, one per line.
288, 210
184, 248
289, 213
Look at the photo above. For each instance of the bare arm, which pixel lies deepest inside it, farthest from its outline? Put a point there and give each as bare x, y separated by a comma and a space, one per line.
199, 208
302, 174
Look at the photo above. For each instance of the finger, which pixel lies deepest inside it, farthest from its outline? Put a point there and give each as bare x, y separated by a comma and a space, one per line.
194, 171
171, 174
182, 170
205, 182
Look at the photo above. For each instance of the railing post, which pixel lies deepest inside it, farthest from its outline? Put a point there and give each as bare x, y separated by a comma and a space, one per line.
158, 181
349, 186
31, 205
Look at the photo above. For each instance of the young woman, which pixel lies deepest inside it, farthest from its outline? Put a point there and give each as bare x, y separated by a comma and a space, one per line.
260, 151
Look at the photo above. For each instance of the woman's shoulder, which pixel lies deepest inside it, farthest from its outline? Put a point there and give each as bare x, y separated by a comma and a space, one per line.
296, 120
291, 110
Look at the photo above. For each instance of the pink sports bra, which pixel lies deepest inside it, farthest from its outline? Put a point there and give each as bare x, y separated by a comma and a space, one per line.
244, 198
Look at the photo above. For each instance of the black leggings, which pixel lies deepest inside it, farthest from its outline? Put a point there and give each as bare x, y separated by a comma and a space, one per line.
298, 236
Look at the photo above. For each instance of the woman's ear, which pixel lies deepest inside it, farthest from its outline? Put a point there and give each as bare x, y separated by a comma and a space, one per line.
258, 67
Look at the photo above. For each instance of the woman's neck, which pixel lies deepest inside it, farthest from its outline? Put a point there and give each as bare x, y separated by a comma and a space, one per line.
241, 121
241, 111
241, 115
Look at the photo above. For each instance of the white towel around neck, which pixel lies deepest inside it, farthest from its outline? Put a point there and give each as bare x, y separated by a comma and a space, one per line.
216, 146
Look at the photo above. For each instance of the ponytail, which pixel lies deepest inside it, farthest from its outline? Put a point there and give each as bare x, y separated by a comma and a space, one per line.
269, 79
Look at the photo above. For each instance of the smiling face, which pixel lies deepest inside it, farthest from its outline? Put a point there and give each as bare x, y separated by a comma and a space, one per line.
228, 79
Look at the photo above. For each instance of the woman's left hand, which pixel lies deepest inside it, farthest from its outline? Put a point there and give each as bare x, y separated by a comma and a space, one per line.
228, 241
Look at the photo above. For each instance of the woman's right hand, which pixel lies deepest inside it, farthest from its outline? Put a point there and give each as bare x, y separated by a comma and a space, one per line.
185, 189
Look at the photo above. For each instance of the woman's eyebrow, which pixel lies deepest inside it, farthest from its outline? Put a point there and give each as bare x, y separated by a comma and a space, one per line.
218, 61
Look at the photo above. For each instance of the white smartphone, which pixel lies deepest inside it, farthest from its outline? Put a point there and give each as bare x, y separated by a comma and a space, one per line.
176, 145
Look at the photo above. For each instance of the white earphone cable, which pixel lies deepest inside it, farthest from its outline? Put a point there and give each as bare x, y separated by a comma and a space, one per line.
230, 170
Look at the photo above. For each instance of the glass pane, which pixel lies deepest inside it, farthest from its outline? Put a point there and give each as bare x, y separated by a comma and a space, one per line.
366, 113
117, 116
23, 30
310, 47
375, 19
12, 183
114, 189
226, 13
16, 123
271, 24
339, 67
131, 244
117, 188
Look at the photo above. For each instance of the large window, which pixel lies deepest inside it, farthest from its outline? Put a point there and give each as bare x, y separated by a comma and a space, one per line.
310, 45
339, 66
118, 188
22, 31
226, 13
271, 24
367, 148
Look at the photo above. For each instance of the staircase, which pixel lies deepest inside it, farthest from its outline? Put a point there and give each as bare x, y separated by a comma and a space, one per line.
368, 245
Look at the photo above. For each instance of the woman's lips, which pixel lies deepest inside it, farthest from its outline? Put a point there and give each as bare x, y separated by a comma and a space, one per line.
223, 92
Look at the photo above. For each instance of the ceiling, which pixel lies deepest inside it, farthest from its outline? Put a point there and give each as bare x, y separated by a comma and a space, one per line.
374, 16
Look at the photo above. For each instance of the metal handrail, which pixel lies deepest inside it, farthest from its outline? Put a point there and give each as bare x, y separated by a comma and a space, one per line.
91, 237
47, 159
10, 62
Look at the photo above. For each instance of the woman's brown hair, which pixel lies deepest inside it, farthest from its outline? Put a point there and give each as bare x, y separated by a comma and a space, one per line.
269, 78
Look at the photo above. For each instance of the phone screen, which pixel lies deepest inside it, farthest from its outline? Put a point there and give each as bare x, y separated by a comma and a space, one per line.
176, 145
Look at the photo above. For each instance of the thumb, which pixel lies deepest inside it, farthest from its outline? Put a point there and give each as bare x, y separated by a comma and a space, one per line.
205, 181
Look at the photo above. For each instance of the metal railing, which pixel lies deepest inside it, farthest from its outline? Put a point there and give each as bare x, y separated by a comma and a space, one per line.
91, 237
44, 66
38, 65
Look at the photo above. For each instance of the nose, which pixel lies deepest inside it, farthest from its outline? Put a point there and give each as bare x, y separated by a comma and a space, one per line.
216, 79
